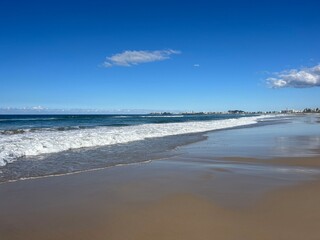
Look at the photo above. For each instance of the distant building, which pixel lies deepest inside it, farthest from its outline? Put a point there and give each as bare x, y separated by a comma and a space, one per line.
236, 111
287, 111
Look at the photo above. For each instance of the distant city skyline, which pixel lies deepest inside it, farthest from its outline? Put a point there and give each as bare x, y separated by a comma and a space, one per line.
43, 110
159, 55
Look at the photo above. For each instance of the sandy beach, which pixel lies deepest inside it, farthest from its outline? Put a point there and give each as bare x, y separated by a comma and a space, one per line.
188, 196
151, 202
159, 120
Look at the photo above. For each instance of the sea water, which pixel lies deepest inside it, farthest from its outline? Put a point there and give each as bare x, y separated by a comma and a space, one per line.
40, 145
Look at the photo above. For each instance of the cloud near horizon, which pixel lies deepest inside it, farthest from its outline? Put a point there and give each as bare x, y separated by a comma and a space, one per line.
296, 78
130, 58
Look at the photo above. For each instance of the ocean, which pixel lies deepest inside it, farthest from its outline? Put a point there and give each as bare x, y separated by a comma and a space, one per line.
41, 145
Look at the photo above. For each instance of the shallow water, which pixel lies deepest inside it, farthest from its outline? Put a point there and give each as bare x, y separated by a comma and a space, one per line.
290, 137
255, 137
23, 136
250, 174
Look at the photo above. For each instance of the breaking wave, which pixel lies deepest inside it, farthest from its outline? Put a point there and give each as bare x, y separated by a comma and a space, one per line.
31, 143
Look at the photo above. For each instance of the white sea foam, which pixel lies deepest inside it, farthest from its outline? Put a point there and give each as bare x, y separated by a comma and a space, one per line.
15, 146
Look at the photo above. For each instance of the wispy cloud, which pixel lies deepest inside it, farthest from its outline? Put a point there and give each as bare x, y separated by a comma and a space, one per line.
129, 58
296, 78
196, 65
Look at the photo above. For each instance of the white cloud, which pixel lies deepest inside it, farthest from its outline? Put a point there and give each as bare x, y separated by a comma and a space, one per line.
129, 58
196, 65
296, 78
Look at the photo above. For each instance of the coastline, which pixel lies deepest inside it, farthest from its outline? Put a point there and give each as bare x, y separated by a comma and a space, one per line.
136, 152
192, 195
151, 148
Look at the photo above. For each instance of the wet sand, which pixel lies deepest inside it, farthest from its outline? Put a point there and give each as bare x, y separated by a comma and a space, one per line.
215, 189
287, 214
312, 162
160, 200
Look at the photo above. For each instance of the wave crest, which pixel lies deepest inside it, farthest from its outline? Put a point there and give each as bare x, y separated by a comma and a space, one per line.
15, 146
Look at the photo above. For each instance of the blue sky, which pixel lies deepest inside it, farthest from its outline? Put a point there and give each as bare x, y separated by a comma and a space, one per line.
160, 55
